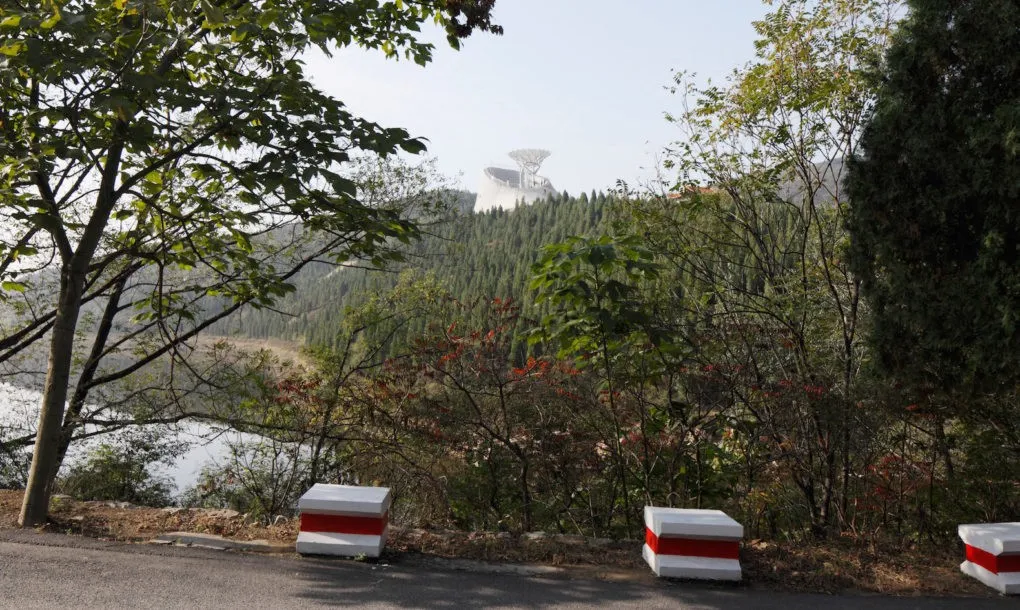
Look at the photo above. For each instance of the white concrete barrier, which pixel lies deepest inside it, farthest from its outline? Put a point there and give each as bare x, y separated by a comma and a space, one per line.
993, 554
343, 520
692, 543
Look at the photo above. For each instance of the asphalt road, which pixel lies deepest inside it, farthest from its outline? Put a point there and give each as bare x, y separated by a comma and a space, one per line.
53, 571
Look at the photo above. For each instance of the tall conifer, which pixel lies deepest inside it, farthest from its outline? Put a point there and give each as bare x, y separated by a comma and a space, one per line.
935, 194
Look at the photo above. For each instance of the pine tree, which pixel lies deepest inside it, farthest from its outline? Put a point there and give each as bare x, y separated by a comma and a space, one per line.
477, 256
936, 198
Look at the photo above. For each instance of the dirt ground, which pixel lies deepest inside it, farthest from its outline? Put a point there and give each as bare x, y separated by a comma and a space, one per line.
829, 567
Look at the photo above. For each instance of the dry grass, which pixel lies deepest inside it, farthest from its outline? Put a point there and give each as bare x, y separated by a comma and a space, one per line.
139, 524
840, 565
285, 350
504, 547
831, 567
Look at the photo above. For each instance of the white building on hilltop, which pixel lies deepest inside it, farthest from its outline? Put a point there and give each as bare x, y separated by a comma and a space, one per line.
507, 188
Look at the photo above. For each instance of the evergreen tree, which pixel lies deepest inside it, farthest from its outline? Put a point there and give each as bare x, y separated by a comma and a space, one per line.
936, 198
475, 256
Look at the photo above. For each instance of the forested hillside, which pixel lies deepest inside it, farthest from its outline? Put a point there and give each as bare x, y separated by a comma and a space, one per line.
474, 256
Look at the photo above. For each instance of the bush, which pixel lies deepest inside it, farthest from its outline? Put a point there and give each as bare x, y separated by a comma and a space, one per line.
262, 478
14, 465
121, 471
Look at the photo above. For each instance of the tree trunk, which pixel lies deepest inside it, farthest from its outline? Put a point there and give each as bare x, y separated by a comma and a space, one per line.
525, 496
35, 507
81, 392
75, 266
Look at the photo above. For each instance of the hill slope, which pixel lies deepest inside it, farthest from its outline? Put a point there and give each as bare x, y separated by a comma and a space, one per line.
482, 255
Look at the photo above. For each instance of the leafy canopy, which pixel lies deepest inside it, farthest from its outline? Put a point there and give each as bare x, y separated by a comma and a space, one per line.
593, 285
178, 131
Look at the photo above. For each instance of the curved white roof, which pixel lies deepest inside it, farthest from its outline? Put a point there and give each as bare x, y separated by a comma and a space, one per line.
501, 188
511, 177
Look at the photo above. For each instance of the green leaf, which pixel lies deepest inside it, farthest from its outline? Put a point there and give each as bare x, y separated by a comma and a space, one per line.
213, 14
414, 146
12, 49
51, 21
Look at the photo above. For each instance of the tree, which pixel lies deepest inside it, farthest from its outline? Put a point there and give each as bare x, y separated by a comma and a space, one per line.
593, 286
478, 255
754, 235
146, 141
935, 190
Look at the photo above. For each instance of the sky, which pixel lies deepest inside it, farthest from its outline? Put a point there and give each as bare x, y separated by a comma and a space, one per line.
584, 79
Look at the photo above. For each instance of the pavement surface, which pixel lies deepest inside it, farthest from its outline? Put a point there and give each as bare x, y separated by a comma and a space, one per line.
41, 570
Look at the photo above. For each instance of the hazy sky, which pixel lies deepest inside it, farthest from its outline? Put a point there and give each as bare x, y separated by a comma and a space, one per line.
582, 78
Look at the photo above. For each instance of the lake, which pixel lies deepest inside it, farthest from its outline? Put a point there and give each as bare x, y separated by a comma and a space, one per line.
19, 410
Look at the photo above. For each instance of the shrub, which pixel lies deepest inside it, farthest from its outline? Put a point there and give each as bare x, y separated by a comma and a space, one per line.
121, 470
262, 478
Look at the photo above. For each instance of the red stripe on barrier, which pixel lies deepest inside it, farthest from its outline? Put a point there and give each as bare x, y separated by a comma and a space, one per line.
343, 524
693, 547
993, 563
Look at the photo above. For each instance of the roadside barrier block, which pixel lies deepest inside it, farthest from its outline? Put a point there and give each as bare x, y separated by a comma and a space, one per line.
692, 543
993, 554
343, 520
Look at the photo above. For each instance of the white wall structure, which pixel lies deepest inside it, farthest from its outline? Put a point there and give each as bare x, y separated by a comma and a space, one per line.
508, 188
